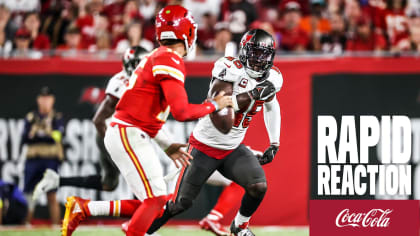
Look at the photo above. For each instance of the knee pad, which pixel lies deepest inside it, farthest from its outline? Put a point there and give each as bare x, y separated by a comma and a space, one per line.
257, 190
184, 203
179, 206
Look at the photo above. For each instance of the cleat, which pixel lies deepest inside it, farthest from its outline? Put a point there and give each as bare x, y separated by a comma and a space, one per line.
49, 182
124, 226
76, 212
213, 226
239, 231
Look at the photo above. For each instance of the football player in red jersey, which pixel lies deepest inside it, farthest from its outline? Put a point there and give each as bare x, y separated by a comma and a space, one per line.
155, 89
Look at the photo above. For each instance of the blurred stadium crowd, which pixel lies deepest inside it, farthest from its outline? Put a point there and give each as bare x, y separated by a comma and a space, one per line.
28, 27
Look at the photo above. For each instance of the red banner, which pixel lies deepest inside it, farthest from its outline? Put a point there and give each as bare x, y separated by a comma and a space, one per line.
364, 217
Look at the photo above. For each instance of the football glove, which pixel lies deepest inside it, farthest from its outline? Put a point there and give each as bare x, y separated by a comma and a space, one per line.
263, 91
268, 155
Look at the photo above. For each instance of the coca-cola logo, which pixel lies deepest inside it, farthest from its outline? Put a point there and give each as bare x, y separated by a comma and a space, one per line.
373, 218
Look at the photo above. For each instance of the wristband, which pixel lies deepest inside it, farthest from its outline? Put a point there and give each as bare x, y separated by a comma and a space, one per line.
215, 105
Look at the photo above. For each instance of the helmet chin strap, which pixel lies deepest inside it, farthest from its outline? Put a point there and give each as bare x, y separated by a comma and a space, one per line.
254, 74
189, 49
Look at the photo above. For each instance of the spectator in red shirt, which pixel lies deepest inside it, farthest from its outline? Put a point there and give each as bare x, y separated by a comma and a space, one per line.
134, 37
22, 42
206, 32
268, 27
304, 5
292, 37
72, 39
22, 39
365, 39
89, 18
131, 14
32, 23
335, 41
114, 12
101, 37
352, 13
415, 32
397, 25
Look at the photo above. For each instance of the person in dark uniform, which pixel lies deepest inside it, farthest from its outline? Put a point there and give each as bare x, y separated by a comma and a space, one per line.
42, 135
13, 205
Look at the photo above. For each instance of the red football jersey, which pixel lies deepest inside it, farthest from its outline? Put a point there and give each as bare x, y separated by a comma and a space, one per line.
156, 87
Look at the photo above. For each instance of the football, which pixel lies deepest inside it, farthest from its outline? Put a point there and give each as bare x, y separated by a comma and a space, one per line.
223, 119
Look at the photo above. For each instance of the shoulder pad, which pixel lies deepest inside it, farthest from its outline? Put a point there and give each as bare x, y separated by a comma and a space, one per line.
120, 76
117, 84
225, 69
276, 78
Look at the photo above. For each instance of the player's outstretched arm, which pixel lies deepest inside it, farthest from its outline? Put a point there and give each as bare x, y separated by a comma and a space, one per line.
178, 155
105, 110
173, 150
272, 120
176, 96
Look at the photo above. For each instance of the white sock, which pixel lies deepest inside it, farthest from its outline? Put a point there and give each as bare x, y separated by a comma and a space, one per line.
240, 219
31, 202
99, 208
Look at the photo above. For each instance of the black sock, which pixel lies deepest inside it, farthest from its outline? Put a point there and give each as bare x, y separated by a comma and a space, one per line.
159, 222
249, 205
91, 181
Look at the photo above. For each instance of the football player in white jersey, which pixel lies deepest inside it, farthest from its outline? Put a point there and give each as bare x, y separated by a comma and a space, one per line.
114, 90
253, 81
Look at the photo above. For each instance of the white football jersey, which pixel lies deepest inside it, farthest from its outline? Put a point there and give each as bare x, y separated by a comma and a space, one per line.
117, 85
230, 69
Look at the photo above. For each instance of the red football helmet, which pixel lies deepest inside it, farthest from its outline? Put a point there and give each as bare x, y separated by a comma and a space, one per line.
176, 22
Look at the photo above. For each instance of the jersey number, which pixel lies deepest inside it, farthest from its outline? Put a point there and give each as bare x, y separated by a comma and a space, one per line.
245, 118
235, 61
134, 76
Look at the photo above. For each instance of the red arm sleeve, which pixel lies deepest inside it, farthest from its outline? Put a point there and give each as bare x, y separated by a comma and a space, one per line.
177, 99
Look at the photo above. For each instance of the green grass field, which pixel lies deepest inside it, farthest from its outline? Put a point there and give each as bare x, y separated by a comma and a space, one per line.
167, 231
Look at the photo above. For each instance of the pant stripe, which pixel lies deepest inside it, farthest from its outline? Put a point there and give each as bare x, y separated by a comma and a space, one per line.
111, 208
117, 208
181, 175
136, 162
